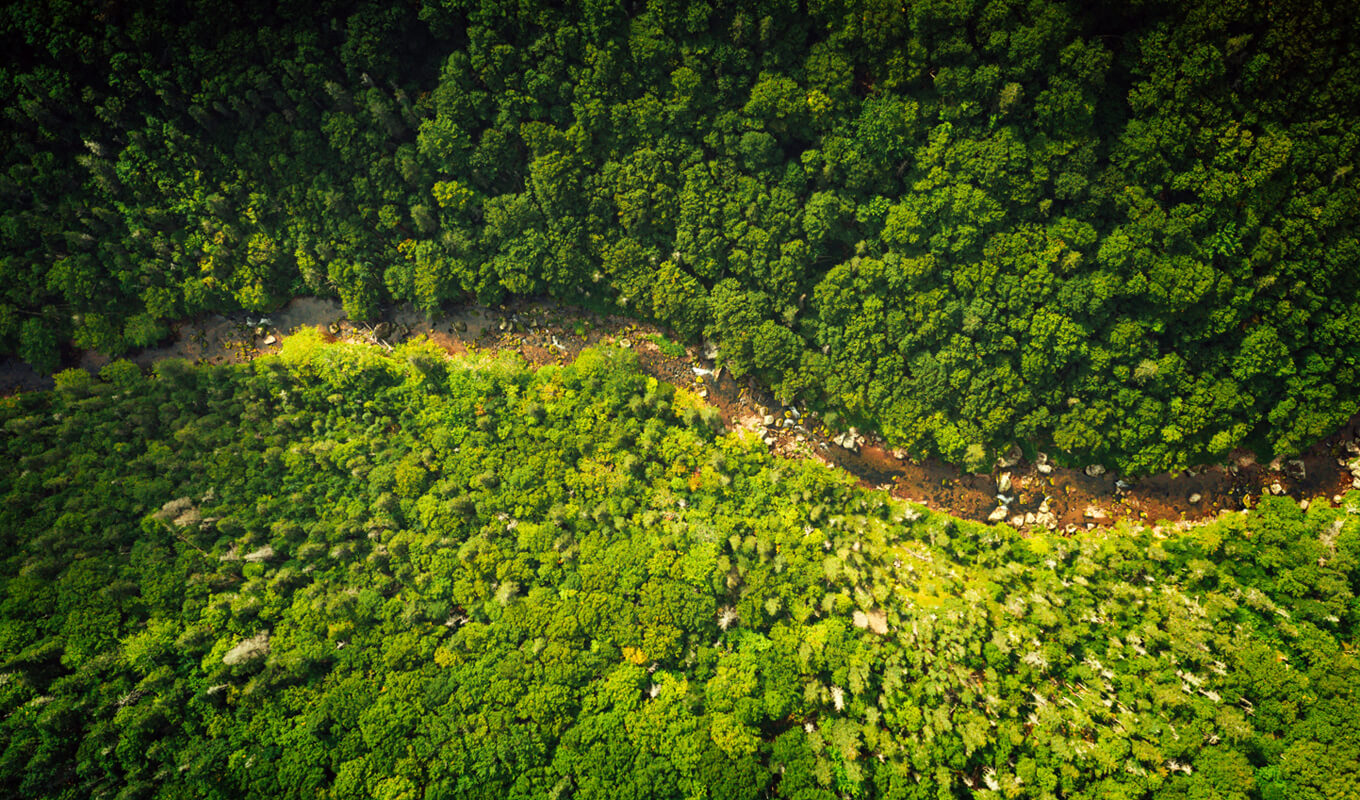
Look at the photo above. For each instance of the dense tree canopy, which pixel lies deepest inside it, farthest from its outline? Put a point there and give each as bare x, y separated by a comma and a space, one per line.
335, 573
1127, 231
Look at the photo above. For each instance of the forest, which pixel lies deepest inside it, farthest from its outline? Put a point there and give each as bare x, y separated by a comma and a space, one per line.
1126, 232
341, 573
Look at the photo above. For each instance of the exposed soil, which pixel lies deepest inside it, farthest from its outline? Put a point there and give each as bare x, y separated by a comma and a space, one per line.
1040, 495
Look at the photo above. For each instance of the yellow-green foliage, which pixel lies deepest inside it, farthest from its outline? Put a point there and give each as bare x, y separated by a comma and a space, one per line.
345, 573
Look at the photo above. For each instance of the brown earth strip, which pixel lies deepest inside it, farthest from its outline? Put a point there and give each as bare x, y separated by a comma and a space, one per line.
1039, 495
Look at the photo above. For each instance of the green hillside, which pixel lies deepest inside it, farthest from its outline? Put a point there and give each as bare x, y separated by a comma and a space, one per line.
1126, 232
335, 573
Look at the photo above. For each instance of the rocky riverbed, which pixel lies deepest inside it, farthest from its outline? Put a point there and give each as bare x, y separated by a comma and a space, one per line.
1027, 494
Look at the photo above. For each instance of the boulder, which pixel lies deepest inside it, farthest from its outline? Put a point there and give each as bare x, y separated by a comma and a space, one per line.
1095, 470
1011, 457
998, 514
1295, 469
1092, 512
1003, 483
1196, 497
1276, 489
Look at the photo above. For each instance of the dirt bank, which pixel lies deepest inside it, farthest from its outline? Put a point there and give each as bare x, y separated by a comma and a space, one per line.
1025, 494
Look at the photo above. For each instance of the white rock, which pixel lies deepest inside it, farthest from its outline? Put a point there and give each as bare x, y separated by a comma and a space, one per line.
1196, 497
1044, 469
1095, 513
1095, 470
998, 514
1003, 483
1276, 489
